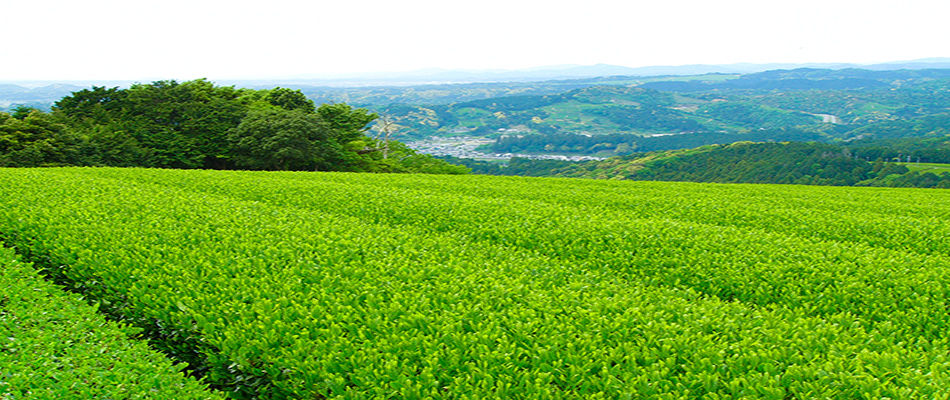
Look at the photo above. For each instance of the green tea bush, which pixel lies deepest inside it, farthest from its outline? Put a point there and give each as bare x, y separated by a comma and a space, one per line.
322, 285
55, 346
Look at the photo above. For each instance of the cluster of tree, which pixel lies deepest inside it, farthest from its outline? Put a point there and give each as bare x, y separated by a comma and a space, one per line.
926, 150
913, 179
742, 162
748, 115
937, 125
29, 138
624, 144
773, 163
195, 124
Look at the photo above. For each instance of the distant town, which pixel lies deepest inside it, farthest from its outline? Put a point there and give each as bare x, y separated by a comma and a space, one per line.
466, 147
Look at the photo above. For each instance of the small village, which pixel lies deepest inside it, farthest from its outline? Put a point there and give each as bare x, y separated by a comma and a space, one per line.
467, 147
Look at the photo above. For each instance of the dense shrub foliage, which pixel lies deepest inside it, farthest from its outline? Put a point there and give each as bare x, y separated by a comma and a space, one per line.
334, 285
54, 346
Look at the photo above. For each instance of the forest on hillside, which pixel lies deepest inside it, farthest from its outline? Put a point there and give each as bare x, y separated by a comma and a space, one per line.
196, 124
923, 163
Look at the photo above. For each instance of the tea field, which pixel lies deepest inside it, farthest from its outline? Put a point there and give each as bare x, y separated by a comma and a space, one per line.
54, 346
303, 285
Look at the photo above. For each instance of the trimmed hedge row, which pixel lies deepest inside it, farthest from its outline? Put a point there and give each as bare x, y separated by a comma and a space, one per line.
55, 346
318, 285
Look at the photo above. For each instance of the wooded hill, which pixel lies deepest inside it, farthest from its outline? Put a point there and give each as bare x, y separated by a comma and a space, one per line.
825, 104
743, 162
921, 163
196, 124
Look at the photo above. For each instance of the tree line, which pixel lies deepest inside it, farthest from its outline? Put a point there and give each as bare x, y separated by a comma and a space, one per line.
772, 163
196, 124
797, 163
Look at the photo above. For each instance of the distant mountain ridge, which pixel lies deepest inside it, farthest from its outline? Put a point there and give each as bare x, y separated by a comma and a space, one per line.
41, 94
38, 97
589, 71
551, 72
809, 78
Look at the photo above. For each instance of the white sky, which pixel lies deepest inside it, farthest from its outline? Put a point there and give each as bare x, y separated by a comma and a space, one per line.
187, 39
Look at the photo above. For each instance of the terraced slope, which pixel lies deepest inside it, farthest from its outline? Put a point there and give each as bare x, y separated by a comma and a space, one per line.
323, 285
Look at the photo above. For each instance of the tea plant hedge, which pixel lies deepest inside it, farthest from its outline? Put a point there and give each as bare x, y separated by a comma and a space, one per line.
55, 346
337, 285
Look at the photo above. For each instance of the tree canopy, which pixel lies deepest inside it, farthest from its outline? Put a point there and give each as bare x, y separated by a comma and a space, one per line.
196, 124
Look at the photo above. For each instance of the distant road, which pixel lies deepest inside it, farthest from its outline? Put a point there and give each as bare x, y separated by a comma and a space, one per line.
828, 118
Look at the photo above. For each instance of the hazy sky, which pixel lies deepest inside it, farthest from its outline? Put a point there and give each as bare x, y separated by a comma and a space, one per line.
188, 39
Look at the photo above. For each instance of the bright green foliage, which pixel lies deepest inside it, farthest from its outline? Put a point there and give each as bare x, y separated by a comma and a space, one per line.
195, 124
30, 138
54, 346
337, 285
289, 99
347, 123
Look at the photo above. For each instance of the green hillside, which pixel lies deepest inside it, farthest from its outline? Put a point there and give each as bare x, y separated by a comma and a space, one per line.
918, 162
277, 285
746, 162
189, 124
833, 105
591, 110
444, 94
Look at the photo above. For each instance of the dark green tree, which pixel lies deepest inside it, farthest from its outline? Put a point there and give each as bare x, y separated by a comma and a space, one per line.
184, 124
279, 139
195, 124
345, 122
349, 148
92, 106
21, 112
289, 99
